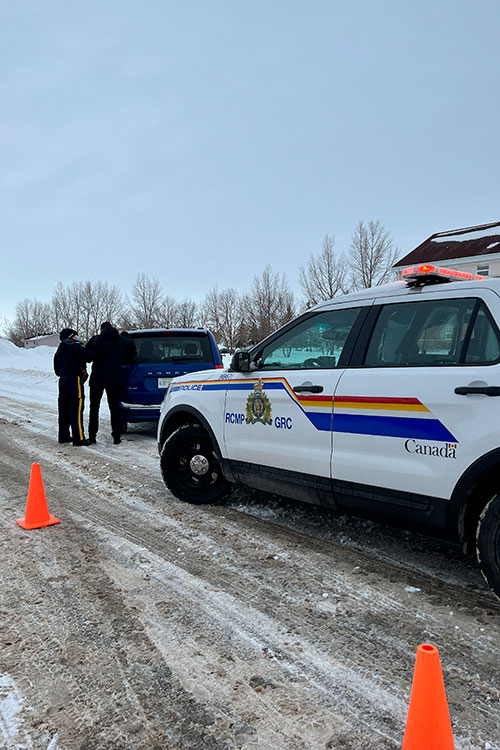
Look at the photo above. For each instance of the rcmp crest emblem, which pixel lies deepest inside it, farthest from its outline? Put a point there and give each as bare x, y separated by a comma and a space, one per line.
258, 408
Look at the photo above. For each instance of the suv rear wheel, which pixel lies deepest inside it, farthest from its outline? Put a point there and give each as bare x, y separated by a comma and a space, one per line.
190, 466
488, 543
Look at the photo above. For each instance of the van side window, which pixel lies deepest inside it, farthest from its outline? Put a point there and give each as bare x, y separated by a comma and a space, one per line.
420, 334
484, 343
316, 342
173, 348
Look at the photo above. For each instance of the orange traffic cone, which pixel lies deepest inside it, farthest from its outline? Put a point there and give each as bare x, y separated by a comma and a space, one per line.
37, 513
428, 724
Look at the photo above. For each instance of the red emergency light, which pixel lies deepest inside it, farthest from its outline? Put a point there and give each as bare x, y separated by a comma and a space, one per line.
426, 273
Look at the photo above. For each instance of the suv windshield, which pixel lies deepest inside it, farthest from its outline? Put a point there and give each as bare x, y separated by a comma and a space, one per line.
172, 348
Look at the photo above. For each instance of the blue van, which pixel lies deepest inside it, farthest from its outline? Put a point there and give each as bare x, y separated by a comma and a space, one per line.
160, 355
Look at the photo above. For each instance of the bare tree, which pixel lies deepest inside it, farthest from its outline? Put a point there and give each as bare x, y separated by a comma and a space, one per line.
104, 303
32, 318
185, 315
145, 302
168, 317
324, 275
125, 322
230, 316
269, 305
210, 312
86, 329
221, 313
66, 306
83, 305
371, 255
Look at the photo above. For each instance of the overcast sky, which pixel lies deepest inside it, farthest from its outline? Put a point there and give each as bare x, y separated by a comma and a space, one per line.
198, 140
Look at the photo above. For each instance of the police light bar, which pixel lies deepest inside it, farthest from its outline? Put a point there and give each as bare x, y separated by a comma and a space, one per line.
429, 274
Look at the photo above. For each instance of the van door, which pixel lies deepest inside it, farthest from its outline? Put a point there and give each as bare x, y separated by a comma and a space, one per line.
415, 412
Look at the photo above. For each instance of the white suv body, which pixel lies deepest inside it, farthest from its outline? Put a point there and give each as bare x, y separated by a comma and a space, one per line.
380, 403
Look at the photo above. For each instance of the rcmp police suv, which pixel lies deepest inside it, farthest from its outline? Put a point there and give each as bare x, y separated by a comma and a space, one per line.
383, 403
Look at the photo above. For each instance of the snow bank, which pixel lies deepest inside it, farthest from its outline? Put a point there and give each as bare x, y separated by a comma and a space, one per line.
39, 358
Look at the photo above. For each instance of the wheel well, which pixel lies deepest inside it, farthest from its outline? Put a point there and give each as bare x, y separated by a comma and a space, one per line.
176, 420
184, 416
476, 498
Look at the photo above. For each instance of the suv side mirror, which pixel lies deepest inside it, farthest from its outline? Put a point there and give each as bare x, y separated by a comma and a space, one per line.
241, 361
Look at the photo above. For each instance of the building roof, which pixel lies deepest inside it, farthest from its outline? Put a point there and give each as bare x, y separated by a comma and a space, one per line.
41, 336
480, 240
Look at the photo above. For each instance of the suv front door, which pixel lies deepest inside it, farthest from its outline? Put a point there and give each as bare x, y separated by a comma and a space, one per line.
278, 417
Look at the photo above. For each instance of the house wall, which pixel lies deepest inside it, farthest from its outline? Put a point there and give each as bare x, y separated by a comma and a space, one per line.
472, 266
52, 339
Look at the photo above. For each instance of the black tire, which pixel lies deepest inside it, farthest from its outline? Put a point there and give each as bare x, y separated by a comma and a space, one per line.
124, 426
488, 543
176, 461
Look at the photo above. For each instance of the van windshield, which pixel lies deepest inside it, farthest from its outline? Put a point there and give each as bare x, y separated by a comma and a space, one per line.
172, 348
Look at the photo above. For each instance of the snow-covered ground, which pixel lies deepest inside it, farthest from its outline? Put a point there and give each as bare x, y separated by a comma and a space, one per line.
142, 622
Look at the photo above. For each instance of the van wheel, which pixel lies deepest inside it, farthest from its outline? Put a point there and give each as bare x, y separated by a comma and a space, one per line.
190, 466
488, 543
124, 426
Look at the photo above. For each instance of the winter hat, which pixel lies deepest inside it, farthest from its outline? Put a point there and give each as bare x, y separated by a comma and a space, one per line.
66, 333
106, 324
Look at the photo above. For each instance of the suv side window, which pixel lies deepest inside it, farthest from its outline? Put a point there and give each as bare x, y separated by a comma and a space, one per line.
484, 343
420, 334
316, 342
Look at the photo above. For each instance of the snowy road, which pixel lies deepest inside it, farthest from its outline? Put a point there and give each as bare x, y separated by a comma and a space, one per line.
142, 622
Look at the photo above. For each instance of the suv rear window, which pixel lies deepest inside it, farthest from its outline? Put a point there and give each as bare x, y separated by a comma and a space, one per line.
434, 332
172, 348
423, 333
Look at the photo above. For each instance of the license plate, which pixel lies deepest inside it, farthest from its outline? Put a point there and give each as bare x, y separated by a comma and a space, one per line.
163, 382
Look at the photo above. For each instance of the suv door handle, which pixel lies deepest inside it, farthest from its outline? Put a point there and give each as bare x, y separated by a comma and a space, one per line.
487, 390
309, 389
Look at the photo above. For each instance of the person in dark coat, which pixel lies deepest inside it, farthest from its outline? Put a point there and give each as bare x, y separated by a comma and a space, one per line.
109, 350
70, 361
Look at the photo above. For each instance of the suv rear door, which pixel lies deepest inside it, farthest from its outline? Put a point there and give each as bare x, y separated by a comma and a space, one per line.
398, 421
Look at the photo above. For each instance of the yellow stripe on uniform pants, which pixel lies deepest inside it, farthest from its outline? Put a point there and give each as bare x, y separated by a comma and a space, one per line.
80, 408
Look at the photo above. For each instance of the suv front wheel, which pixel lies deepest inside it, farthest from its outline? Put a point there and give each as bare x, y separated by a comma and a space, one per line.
488, 543
190, 466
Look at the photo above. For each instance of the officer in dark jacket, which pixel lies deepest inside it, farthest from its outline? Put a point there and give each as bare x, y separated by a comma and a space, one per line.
109, 350
69, 364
